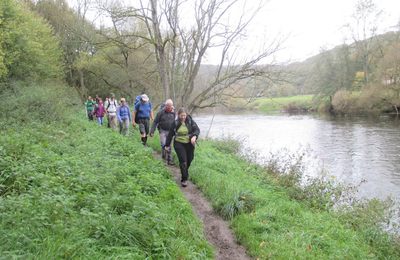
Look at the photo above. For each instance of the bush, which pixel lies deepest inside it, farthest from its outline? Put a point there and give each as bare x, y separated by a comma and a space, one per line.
45, 104
346, 102
28, 49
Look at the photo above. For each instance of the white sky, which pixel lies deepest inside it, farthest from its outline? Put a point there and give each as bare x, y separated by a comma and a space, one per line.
307, 25
312, 24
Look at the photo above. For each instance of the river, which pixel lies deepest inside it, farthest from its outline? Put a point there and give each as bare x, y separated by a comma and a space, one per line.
357, 151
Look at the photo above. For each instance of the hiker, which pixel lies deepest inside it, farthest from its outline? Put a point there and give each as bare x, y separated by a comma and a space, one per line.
112, 111
89, 105
186, 133
163, 121
106, 102
143, 114
124, 117
99, 111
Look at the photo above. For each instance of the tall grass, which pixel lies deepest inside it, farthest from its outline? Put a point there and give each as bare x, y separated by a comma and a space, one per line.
72, 189
275, 217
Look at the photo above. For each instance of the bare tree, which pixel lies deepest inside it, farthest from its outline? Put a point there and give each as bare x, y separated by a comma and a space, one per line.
180, 47
364, 31
123, 48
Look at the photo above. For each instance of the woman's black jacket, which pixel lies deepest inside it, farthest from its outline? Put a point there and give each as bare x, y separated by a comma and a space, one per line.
194, 130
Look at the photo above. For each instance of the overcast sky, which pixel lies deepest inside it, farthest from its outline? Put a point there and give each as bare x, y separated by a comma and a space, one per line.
312, 24
307, 25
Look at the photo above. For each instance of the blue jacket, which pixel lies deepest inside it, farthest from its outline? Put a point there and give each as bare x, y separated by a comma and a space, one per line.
143, 110
124, 112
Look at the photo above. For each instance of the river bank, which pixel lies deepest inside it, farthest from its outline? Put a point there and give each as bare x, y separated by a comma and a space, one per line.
358, 151
273, 218
72, 189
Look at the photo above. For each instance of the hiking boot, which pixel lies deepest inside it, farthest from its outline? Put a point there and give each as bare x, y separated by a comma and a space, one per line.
184, 183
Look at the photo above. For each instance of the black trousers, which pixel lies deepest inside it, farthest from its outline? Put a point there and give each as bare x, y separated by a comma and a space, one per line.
185, 153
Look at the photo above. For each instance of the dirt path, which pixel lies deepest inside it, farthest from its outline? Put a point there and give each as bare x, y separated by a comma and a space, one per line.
215, 228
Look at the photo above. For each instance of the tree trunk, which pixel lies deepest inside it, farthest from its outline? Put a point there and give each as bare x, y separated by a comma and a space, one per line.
82, 83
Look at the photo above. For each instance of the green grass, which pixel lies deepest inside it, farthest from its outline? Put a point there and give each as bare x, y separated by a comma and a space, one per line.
271, 224
71, 189
270, 105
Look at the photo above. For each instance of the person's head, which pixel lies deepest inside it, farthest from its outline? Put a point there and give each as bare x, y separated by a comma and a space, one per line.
112, 96
182, 114
123, 101
90, 98
169, 105
144, 98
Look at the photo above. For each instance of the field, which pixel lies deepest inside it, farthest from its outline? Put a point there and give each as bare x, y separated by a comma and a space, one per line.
280, 104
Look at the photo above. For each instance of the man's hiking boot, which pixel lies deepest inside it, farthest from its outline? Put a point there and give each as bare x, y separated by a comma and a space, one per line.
184, 183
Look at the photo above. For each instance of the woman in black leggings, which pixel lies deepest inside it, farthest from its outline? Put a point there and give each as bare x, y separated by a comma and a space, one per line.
186, 133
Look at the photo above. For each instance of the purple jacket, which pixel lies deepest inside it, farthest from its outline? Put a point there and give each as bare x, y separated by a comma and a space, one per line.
99, 110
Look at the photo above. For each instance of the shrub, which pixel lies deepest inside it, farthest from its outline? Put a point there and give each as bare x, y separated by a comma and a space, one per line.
46, 103
28, 49
345, 102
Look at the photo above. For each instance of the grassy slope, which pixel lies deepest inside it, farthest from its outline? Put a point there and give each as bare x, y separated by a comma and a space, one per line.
71, 189
271, 224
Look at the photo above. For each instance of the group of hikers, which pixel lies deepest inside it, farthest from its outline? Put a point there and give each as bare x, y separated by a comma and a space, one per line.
177, 127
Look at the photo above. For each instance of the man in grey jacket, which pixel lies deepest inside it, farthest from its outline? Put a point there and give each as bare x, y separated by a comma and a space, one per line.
163, 121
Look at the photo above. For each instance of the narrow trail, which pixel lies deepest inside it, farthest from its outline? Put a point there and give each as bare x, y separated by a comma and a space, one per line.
216, 229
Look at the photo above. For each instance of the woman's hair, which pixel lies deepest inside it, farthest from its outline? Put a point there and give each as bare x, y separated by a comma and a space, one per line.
182, 110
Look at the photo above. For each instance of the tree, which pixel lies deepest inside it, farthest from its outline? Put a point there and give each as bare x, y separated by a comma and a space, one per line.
334, 71
364, 34
181, 46
76, 36
390, 74
28, 49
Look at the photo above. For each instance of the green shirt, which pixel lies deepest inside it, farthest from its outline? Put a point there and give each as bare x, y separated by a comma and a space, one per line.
90, 105
182, 134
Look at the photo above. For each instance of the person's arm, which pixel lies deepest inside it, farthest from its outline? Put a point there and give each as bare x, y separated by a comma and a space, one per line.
135, 110
155, 123
151, 115
195, 132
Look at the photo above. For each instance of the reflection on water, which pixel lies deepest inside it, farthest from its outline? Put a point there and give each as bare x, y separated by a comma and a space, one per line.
353, 150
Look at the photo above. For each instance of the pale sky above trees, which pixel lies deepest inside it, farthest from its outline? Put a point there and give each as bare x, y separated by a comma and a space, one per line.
307, 25
312, 24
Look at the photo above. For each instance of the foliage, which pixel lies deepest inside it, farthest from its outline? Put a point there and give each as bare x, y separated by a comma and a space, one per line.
277, 222
346, 102
72, 189
28, 49
227, 145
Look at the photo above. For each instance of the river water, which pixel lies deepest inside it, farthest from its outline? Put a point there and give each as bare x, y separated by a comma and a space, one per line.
356, 151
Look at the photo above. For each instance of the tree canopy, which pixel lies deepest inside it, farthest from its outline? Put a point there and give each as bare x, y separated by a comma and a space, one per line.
28, 48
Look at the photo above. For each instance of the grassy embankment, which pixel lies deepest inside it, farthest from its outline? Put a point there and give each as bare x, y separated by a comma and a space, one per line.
71, 189
284, 222
288, 104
